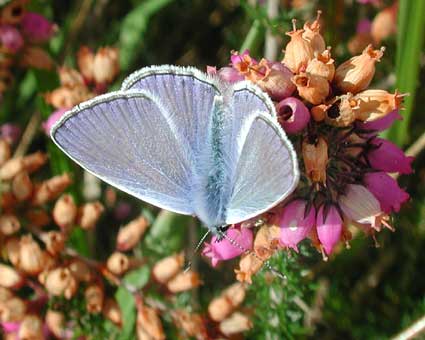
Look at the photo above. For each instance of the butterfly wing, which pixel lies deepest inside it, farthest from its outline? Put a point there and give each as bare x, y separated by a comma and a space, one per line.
125, 138
266, 171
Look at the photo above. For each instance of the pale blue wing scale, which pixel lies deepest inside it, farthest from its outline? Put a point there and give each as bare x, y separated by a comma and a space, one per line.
126, 139
266, 171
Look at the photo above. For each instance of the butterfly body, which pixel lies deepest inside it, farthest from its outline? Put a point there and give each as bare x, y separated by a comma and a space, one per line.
186, 142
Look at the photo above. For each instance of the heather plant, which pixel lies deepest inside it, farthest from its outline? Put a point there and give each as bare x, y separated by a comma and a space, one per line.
340, 257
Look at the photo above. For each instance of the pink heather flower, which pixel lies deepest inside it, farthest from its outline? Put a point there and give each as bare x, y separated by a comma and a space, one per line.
211, 70
237, 58
277, 81
360, 205
37, 28
295, 225
10, 131
386, 190
388, 157
230, 75
293, 115
10, 327
382, 123
224, 250
364, 26
329, 227
365, 2
53, 118
11, 38
122, 210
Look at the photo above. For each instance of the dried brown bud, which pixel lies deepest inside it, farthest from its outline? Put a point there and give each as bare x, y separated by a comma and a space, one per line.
34, 161
9, 277
31, 257
165, 269
322, 65
266, 241
319, 112
55, 241
355, 74
312, 88
249, 265
31, 328
55, 321
184, 281
85, 61
70, 77
222, 306
22, 186
5, 294
13, 12
34, 56
50, 189
342, 112
236, 323
384, 24
12, 310
80, 270
38, 218
9, 224
67, 96
12, 248
5, 151
106, 65
192, 324
149, 325
65, 212
11, 168
111, 311
315, 156
130, 235
312, 34
7, 201
375, 104
89, 214
298, 51
94, 298
118, 263
60, 281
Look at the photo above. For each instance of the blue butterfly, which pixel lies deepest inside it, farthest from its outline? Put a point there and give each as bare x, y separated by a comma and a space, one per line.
186, 142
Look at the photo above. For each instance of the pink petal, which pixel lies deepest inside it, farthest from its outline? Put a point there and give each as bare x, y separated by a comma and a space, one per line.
364, 26
382, 123
53, 118
37, 28
297, 113
388, 157
11, 38
329, 228
230, 74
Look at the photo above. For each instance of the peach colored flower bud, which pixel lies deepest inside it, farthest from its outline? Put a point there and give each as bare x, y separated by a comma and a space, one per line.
31, 328
342, 112
7, 201
236, 323
31, 257
89, 214
130, 235
80, 270
355, 74
34, 56
22, 186
315, 156
312, 88
34, 161
298, 51
384, 24
319, 112
70, 77
55, 322
322, 65
38, 218
249, 265
9, 224
230, 299
312, 34
375, 104
12, 310
5, 151
106, 65
9, 277
191, 324
5, 294
12, 248
50, 189
85, 61
149, 324
65, 212
58, 280
184, 281
67, 96
11, 168
54, 241
165, 269
94, 298
266, 241
118, 263
112, 312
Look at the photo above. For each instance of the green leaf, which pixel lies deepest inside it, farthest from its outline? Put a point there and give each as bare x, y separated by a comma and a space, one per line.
133, 30
138, 278
410, 39
128, 309
254, 38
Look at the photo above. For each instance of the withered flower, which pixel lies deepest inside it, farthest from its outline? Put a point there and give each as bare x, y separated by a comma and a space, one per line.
89, 214
312, 88
165, 269
312, 34
130, 235
315, 156
236, 323
118, 263
65, 212
322, 65
184, 281
94, 298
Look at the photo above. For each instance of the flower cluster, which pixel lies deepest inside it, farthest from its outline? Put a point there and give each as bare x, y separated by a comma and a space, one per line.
22, 33
333, 120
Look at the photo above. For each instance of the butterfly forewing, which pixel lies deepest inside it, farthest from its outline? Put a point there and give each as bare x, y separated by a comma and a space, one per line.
124, 138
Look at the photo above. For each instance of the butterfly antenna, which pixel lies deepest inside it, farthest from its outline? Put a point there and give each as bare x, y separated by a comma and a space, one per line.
195, 251
247, 251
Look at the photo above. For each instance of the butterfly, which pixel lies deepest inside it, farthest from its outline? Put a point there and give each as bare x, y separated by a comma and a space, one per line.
187, 142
